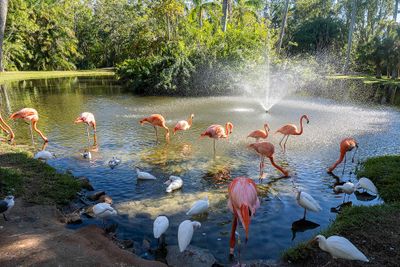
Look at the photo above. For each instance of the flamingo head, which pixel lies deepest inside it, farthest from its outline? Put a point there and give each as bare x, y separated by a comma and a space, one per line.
229, 127
266, 126
79, 120
305, 117
176, 128
142, 121
192, 116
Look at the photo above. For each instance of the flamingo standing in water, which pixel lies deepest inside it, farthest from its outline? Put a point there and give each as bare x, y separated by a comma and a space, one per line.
291, 129
30, 115
242, 202
184, 125
346, 145
266, 149
88, 119
157, 121
257, 134
216, 131
6, 129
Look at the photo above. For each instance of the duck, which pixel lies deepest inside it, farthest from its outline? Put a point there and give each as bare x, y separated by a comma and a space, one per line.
114, 162
144, 175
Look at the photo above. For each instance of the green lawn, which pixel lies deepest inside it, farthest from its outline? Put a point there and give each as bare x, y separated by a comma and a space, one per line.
29, 75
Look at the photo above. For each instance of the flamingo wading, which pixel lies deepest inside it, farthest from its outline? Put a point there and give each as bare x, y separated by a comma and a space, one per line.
30, 115
184, 125
157, 121
291, 129
88, 119
243, 203
6, 129
260, 134
346, 145
216, 131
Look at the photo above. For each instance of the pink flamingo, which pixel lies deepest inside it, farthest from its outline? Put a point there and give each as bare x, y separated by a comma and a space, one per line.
184, 125
291, 129
88, 119
260, 134
216, 131
266, 149
30, 115
242, 202
157, 121
346, 145
6, 129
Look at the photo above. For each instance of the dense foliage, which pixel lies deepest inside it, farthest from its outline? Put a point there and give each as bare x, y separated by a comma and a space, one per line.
167, 46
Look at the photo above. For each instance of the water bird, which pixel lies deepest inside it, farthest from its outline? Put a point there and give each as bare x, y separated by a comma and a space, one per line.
291, 129
307, 202
6, 205
87, 155
216, 131
266, 149
31, 116
114, 162
160, 226
156, 120
44, 155
367, 185
340, 248
103, 211
174, 183
185, 233
346, 145
184, 125
6, 129
89, 120
243, 203
199, 207
260, 134
144, 175
347, 188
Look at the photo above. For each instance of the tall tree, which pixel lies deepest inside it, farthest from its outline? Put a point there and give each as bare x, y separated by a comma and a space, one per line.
283, 25
350, 37
225, 7
3, 17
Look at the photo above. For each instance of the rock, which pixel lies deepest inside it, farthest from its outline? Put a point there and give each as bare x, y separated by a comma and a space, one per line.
106, 199
191, 257
85, 184
72, 218
126, 243
96, 196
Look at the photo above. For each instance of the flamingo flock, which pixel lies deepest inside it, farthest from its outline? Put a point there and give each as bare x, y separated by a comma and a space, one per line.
243, 200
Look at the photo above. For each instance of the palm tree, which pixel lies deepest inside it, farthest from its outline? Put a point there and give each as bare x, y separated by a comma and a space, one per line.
201, 6
350, 37
283, 25
243, 7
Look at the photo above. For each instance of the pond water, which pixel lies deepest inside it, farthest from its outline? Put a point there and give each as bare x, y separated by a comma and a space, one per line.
60, 101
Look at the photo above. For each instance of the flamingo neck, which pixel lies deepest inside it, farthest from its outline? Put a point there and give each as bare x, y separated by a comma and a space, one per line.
190, 121
34, 125
301, 126
342, 154
278, 167
227, 129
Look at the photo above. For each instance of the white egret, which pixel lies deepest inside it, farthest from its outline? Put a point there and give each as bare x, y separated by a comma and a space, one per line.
44, 155
367, 184
307, 202
185, 233
347, 188
200, 206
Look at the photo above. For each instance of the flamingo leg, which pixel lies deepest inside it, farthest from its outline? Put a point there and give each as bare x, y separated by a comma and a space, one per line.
284, 144
280, 143
261, 168
304, 216
88, 136
352, 159
30, 129
233, 238
214, 148
344, 164
155, 128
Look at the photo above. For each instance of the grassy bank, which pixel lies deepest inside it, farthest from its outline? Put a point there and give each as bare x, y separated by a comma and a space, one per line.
33, 180
367, 79
29, 75
374, 230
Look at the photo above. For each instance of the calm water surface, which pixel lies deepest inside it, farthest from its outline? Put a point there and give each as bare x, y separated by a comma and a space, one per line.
60, 101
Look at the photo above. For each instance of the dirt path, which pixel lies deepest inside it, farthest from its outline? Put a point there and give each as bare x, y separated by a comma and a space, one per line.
33, 236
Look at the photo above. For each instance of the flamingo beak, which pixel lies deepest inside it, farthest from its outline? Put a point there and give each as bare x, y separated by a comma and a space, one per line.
308, 121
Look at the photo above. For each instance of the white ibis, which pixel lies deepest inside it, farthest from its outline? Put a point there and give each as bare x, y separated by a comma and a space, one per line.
6, 205
307, 202
185, 233
340, 248
114, 162
160, 226
44, 155
200, 206
144, 175
174, 183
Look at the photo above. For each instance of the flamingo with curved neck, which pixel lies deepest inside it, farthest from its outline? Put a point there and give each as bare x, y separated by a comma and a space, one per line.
291, 129
32, 116
184, 125
156, 120
346, 145
260, 134
217, 131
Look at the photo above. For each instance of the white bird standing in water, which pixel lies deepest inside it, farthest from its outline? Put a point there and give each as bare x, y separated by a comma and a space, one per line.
367, 184
340, 248
307, 202
185, 233
174, 183
347, 188
160, 226
200, 206
6, 205
104, 210
114, 162
144, 175
44, 155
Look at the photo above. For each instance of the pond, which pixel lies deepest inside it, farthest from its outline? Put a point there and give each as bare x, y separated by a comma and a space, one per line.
60, 101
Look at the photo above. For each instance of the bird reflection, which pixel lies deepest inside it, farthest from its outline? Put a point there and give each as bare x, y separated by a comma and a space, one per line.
339, 208
302, 225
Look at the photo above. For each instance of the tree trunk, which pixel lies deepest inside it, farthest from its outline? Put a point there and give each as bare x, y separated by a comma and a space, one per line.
3, 17
395, 11
378, 71
350, 37
201, 17
224, 15
283, 25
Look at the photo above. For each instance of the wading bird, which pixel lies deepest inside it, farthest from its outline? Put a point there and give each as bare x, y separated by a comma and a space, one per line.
157, 121
31, 116
6, 205
104, 210
340, 248
243, 203
266, 149
200, 206
185, 233
291, 129
88, 119
160, 226
6, 129
346, 145
216, 131
174, 183
349, 188
260, 134
184, 125
307, 202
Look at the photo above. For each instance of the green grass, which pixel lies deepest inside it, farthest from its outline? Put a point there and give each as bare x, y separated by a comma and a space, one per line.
30, 75
33, 180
